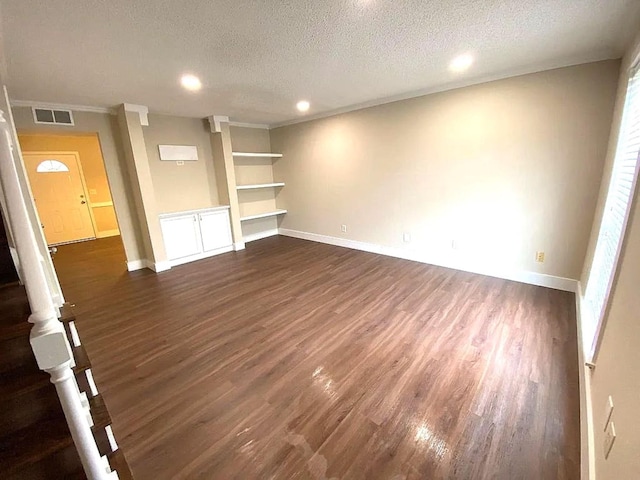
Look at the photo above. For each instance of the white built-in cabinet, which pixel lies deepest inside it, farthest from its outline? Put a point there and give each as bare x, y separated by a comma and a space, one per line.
196, 234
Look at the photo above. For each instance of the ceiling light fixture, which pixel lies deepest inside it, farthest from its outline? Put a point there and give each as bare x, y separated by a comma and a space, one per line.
461, 63
303, 105
191, 82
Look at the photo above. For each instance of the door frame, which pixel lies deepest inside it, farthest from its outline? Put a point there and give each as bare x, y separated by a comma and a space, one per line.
82, 180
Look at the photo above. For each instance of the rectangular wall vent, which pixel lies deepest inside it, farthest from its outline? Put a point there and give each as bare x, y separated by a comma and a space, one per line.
56, 117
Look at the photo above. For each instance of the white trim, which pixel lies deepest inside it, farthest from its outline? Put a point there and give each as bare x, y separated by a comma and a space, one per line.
183, 213
260, 235
100, 204
587, 441
523, 276
60, 106
108, 233
255, 186
238, 246
541, 67
134, 265
159, 266
200, 256
275, 213
263, 126
257, 155
140, 110
216, 121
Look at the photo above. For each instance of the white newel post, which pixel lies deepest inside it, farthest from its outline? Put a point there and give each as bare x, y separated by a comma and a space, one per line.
48, 339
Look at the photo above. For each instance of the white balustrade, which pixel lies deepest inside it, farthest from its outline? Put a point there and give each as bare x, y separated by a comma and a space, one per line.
48, 339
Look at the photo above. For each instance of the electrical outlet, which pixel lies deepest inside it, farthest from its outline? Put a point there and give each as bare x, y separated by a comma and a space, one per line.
406, 237
540, 257
343, 229
608, 412
93, 191
609, 438
180, 163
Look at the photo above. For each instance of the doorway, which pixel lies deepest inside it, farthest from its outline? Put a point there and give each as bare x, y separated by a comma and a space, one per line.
60, 195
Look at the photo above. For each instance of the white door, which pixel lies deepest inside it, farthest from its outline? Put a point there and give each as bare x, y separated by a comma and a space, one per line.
181, 236
58, 192
216, 230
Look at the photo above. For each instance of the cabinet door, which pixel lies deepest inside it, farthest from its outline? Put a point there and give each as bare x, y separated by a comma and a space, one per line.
181, 236
216, 230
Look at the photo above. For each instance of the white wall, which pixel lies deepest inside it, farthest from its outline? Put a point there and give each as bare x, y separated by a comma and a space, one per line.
115, 165
189, 186
616, 371
503, 169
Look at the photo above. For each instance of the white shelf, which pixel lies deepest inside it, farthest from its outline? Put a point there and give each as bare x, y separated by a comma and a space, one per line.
260, 185
263, 215
262, 155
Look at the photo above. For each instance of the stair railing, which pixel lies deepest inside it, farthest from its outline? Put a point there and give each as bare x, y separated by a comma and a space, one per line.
48, 339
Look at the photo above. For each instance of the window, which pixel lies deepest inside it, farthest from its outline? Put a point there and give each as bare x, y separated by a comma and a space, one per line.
48, 166
614, 218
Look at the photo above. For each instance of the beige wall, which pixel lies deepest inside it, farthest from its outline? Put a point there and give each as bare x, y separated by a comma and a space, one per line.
189, 186
105, 126
88, 148
254, 170
500, 170
616, 371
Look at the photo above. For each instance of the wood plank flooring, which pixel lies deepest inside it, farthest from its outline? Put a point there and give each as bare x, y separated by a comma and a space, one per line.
297, 360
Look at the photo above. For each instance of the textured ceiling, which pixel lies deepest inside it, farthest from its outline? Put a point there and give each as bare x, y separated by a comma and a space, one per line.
257, 58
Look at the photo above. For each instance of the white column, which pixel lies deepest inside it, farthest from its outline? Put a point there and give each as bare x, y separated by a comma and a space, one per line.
48, 339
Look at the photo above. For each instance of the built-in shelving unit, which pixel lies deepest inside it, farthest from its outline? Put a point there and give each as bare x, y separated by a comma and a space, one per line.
275, 213
257, 189
260, 185
257, 155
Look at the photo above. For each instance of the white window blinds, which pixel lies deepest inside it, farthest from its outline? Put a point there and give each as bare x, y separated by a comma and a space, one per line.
614, 219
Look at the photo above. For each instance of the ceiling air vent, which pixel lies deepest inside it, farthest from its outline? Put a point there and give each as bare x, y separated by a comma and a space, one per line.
56, 117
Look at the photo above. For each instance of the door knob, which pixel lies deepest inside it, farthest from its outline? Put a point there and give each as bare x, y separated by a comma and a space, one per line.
82, 202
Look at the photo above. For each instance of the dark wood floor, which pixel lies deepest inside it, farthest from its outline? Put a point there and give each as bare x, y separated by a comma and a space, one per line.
300, 360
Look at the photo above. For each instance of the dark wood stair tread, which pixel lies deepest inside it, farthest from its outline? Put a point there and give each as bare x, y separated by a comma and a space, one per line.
66, 313
22, 380
119, 463
15, 330
33, 443
99, 412
82, 360
15, 305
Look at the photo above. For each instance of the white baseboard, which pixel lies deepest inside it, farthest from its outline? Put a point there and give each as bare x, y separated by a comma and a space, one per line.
159, 266
260, 235
587, 441
194, 258
134, 265
108, 233
238, 246
533, 278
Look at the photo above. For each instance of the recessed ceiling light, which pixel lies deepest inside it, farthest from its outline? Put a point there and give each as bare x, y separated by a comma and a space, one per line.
303, 105
191, 82
461, 63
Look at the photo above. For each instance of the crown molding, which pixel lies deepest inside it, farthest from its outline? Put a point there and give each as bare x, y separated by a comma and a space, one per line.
140, 110
262, 126
60, 106
216, 121
517, 72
